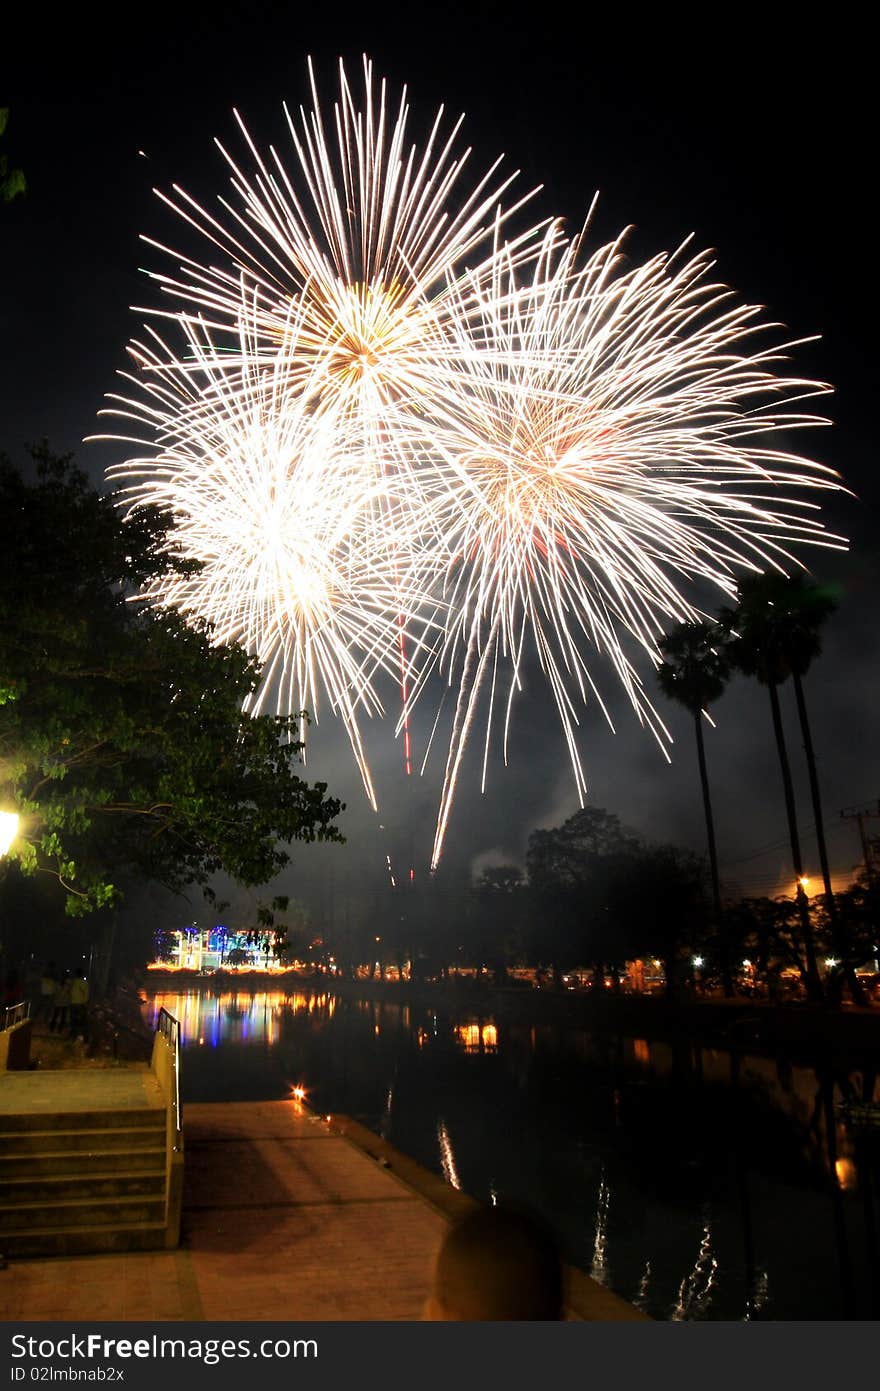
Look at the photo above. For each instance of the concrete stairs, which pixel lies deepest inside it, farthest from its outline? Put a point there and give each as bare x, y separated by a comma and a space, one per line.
73, 1182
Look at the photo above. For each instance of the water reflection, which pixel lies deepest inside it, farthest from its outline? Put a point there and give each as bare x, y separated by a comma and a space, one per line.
599, 1263
695, 1291
477, 1038
447, 1158
235, 1016
640, 1298
696, 1182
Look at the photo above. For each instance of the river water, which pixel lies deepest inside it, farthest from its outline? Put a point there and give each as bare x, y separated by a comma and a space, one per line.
696, 1183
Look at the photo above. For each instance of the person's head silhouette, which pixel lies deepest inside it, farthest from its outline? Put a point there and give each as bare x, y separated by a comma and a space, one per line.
497, 1264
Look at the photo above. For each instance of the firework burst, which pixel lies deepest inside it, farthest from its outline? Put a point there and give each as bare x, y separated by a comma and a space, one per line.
347, 268
383, 420
271, 504
612, 437
365, 243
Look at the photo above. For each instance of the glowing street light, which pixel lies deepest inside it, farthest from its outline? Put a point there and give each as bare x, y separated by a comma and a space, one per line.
9, 823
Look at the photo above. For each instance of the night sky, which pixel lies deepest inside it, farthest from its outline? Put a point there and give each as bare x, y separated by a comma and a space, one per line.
759, 141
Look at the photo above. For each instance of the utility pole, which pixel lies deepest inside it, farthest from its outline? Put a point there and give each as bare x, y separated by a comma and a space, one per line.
861, 815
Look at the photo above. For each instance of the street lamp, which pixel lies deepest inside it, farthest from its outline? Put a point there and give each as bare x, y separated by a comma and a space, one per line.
9, 823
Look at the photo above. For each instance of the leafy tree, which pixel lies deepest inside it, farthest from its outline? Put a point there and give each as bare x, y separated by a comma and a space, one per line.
572, 869
566, 854
775, 634
694, 673
767, 934
122, 739
12, 181
500, 901
660, 894
855, 934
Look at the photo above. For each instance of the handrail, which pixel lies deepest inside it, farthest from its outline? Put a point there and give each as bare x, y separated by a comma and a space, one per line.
169, 1028
16, 1014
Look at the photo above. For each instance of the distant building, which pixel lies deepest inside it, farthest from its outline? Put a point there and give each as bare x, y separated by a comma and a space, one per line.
217, 948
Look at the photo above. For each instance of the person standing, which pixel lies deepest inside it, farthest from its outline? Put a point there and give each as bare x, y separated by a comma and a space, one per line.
61, 1005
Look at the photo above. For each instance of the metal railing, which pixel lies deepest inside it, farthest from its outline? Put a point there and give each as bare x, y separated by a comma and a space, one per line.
16, 1014
169, 1028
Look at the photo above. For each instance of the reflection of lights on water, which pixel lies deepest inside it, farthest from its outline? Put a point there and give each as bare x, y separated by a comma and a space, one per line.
236, 1016
762, 1291
447, 1158
477, 1038
640, 1299
760, 1295
493, 1196
385, 1122
845, 1173
599, 1265
641, 1050
694, 1294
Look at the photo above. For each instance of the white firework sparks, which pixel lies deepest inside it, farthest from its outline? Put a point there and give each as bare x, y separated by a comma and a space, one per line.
271, 503
380, 413
368, 238
348, 266
612, 437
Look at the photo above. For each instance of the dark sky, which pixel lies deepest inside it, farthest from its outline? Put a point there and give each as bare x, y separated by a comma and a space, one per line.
759, 140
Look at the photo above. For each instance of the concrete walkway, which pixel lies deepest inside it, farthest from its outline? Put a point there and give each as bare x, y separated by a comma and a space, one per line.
287, 1216
71, 1089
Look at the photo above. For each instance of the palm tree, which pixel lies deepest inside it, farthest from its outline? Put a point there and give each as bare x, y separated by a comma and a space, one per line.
695, 672
790, 611
776, 626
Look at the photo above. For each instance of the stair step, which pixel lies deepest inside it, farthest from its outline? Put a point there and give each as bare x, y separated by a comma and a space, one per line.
96, 1141
79, 1212
51, 1188
55, 1163
83, 1241
125, 1117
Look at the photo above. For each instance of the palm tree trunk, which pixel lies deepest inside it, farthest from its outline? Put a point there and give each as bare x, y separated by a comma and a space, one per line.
814, 988
726, 980
836, 936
